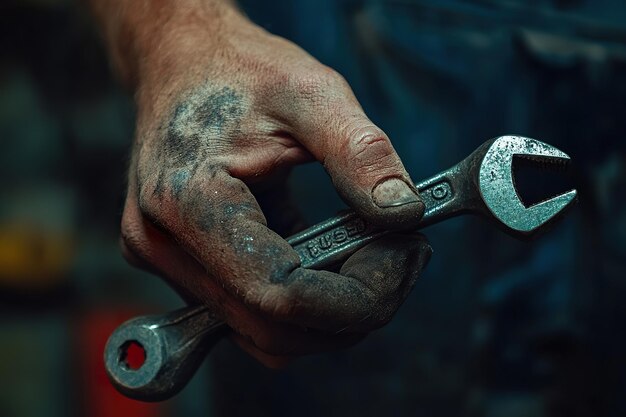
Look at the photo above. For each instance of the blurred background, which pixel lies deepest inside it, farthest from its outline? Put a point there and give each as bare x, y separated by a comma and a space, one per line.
495, 328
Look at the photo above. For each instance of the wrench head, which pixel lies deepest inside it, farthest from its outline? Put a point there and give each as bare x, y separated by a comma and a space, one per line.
496, 183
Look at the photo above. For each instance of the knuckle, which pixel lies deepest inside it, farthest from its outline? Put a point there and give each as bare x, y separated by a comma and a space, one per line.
334, 78
276, 304
145, 201
133, 243
308, 86
365, 137
316, 84
370, 149
130, 256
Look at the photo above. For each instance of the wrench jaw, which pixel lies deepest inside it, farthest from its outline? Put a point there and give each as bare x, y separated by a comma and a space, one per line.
497, 186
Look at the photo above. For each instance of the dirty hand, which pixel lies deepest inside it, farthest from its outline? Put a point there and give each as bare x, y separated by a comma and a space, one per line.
225, 108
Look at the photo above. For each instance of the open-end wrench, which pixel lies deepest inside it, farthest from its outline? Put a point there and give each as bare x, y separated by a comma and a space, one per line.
175, 343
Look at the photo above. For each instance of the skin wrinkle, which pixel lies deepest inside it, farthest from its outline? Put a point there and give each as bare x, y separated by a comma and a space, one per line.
381, 167
280, 157
365, 142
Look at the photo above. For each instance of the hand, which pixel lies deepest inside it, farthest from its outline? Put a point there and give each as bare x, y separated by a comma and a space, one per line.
226, 107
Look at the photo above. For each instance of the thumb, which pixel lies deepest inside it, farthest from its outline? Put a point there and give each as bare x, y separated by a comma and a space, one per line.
370, 177
358, 156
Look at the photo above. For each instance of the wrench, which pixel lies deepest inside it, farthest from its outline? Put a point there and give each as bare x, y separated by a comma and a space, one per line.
175, 343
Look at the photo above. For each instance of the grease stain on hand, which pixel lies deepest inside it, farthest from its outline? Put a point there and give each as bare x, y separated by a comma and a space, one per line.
200, 124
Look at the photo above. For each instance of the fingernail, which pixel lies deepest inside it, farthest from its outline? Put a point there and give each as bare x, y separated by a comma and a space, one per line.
393, 193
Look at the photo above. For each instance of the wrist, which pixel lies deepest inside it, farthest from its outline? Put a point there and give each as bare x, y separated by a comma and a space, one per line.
145, 39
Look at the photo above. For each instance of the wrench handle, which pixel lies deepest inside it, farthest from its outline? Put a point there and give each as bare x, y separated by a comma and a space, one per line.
175, 343
334, 240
